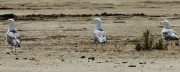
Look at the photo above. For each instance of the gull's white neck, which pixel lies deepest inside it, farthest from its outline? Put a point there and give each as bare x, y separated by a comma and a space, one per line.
11, 27
98, 26
166, 24
166, 27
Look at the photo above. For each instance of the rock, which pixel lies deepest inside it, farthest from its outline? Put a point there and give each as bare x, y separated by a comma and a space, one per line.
99, 62
33, 59
61, 27
124, 62
25, 58
152, 62
16, 58
106, 61
7, 52
142, 62
92, 58
82, 56
20, 51
132, 66
117, 63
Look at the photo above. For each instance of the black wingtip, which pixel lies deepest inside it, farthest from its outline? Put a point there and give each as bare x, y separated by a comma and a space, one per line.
19, 45
177, 39
104, 42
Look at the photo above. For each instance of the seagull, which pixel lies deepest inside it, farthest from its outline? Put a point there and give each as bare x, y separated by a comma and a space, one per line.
167, 33
12, 37
99, 35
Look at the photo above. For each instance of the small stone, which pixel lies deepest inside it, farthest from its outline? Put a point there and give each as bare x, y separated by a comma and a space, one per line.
16, 58
152, 62
92, 58
82, 56
7, 53
61, 27
117, 63
32, 59
142, 62
132, 66
99, 62
106, 61
20, 51
25, 58
124, 62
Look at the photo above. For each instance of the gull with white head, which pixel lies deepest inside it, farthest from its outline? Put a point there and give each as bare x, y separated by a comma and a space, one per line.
12, 37
99, 35
167, 33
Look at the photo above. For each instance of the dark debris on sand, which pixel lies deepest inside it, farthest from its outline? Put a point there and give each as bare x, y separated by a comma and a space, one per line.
56, 16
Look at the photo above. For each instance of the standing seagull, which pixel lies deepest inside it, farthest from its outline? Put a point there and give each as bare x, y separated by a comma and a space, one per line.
167, 33
99, 35
12, 37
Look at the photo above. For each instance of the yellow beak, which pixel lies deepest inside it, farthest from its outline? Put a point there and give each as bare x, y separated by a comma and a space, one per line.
92, 21
161, 23
4, 22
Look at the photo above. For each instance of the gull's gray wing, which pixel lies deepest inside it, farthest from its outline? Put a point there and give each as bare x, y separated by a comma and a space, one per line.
169, 34
99, 36
13, 38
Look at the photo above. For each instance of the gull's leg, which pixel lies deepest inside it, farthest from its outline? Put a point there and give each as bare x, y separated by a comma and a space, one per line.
15, 48
102, 47
96, 46
91, 46
174, 44
177, 43
122, 44
12, 48
166, 44
166, 41
171, 45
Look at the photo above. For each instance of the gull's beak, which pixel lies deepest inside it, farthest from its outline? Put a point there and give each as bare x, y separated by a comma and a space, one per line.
5, 22
92, 21
161, 23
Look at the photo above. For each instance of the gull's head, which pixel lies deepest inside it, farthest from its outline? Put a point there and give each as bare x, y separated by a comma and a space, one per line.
165, 23
97, 22
11, 21
11, 24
